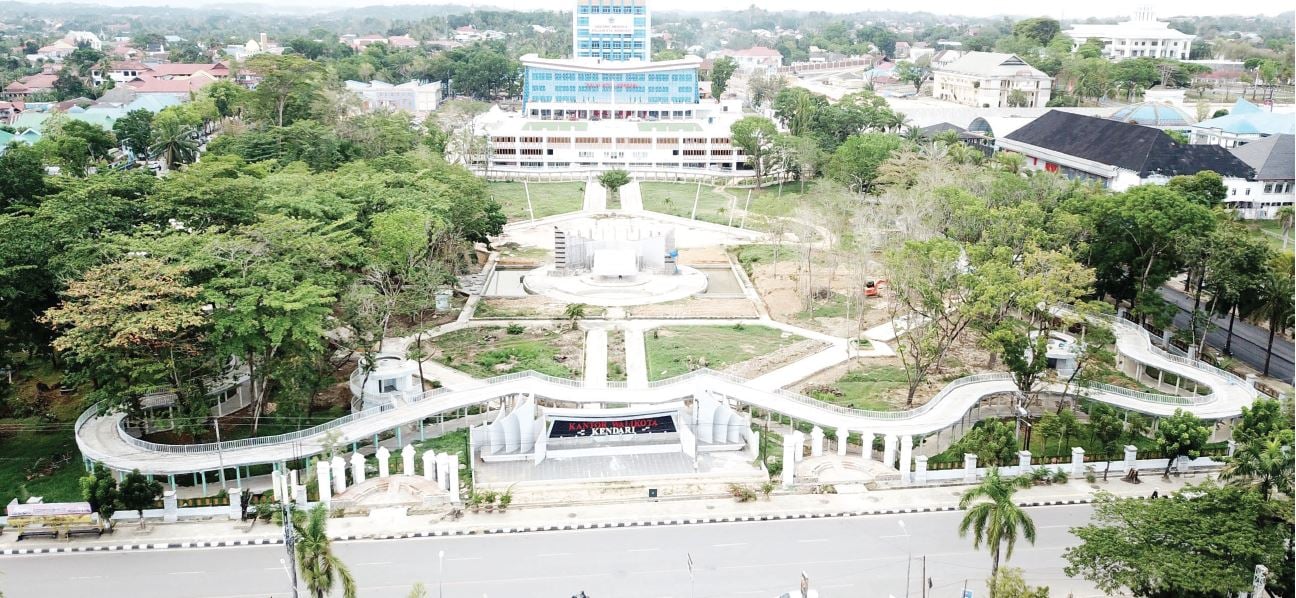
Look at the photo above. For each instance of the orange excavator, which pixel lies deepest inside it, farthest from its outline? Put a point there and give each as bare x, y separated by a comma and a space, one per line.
873, 287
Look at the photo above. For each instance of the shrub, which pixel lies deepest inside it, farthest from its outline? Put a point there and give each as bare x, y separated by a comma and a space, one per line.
767, 488
515, 329
1060, 477
742, 493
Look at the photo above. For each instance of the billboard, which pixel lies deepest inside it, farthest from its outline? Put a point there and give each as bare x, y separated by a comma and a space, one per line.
588, 428
611, 24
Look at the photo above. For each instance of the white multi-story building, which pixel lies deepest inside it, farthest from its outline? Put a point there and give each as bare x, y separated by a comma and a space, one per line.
988, 79
412, 96
1142, 35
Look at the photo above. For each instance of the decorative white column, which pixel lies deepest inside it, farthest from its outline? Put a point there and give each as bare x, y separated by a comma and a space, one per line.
906, 458
1232, 447
920, 469
1023, 462
453, 461
299, 495
235, 511
753, 448
322, 481
866, 439
357, 469
969, 467
843, 435
292, 479
889, 450
798, 439
1131, 456
339, 474
443, 470
170, 506
790, 449
384, 462
407, 460
277, 486
816, 442
1077, 461
429, 466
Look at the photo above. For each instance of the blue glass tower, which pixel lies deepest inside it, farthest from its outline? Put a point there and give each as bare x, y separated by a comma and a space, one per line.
612, 30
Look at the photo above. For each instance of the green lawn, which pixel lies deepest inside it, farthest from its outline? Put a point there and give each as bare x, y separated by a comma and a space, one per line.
478, 351
616, 367
547, 199
46, 462
676, 350
862, 389
455, 442
676, 199
1271, 232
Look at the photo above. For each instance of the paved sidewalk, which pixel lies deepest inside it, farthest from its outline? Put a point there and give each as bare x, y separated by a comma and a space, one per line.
631, 197
596, 366
595, 196
636, 357
128, 536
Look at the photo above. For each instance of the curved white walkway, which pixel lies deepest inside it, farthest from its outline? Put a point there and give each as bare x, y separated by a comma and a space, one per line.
102, 439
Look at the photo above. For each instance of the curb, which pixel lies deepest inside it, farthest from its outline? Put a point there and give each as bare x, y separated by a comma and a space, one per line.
517, 530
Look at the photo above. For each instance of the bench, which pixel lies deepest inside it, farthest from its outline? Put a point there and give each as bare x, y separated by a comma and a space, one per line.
84, 531
40, 532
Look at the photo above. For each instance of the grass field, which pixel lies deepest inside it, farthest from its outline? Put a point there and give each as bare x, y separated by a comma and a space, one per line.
862, 389
491, 351
1271, 231
452, 442
547, 198
676, 199
49, 458
676, 350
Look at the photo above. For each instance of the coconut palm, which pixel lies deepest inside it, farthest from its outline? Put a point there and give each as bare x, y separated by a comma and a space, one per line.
1272, 303
574, 312
320, 568
994, 519
174, 143
1265, 465
1009, 162
1286, 216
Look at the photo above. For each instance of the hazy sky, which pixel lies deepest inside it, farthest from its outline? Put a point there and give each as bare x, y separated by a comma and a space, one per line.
1057, 9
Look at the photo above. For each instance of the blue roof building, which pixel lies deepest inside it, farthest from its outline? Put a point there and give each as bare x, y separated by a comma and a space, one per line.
1155, 115
1244, 122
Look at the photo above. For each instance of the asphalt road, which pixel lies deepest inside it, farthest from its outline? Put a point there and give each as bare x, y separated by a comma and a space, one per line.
1249, 341
856, 557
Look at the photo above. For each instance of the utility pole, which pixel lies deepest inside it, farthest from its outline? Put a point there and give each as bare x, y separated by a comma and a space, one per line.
289, 540
925, 583
220, 455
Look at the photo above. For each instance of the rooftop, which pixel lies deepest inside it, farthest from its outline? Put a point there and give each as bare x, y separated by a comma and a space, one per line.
1153, 114
1246, 118
992, 65
1273, 157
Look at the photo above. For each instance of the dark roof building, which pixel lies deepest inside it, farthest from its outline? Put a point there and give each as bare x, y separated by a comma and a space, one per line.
1273, 185
1119, 154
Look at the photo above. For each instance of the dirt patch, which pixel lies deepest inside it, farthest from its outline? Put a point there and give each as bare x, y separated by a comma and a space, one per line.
537, 307
492, 351
693, 256
759, 366
783, 292
696, 307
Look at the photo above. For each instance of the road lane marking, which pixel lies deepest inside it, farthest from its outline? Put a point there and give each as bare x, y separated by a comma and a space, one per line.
186, 572
811, 541
643, 550
730, 544
87, 577
553, 554
465, 558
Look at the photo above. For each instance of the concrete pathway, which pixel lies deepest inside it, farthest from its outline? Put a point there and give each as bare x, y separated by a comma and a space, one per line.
636, 358
595, 196
631, 197
596, 357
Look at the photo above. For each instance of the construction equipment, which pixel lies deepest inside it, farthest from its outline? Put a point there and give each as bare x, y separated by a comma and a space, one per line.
873, 287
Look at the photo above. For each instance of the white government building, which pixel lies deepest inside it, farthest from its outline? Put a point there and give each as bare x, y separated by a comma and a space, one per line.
1142, 35
987, 80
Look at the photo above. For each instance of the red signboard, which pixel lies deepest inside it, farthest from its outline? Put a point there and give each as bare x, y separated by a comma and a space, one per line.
581, 428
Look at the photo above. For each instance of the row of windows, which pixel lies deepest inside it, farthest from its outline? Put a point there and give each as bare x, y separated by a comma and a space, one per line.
584, 34
612, 77
585, 9
656, 99
1277, 187
638, 22
613, 55
611, 45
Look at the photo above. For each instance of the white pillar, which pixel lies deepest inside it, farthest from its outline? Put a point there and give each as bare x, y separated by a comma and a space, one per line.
1131, 456
798, 440
357, 468
453, 461
866, 439
920, 469
1232, 447
235, 511
816, 442
429, 466
1023, 462
323, 485
443, 471
292, 478
384, 462
277, 486
969, 467
1077, 461
889, 450
299, 494
843, 436
170, 506
906, 458
753, 448
339, 474
790, 449
407, 460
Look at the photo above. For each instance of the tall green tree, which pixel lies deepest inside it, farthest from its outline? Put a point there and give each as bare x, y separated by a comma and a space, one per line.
174, 143
1181, 435
755, 135
855, 163
1272, 301
135, 131
287, 88
994, 518
1041, 30
1264, 464
22, 177
613, 180
1201, 542
100, 490
320, 568
721, 71
138, 492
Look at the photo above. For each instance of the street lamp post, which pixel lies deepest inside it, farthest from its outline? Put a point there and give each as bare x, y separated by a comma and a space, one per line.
909, 559
440, 572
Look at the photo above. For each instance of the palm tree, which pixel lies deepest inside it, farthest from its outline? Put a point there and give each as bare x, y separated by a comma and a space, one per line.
1286, 216
1265, 465
574, 312
996, 520
1009, 162
174, 142
912, 133
1273, 303
319, 567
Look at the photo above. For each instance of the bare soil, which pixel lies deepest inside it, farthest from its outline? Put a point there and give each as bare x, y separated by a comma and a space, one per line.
696, 307
782, 290
759, 366
536, 307
702, 256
